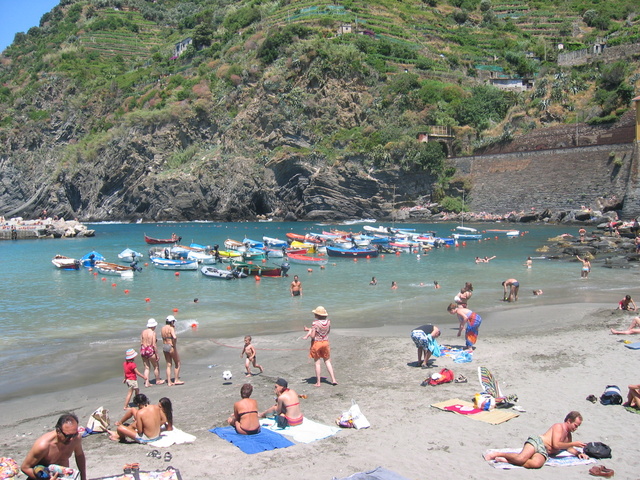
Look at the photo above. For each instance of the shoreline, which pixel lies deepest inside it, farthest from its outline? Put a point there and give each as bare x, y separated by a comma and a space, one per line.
551, 356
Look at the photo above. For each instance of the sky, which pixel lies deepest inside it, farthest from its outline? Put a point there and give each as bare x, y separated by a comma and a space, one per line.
19, 16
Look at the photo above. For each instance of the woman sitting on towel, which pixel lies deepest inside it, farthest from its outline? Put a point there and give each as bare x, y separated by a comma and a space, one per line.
245, 413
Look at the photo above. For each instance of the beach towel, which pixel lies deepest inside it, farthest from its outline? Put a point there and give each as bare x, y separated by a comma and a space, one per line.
632, 409
169, 474
633, 346
494, 417
260, 442
172, 437
378, 473
563, 459
308, 431
434, 347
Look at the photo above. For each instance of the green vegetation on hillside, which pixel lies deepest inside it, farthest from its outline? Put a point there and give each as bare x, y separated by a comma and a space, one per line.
283, 65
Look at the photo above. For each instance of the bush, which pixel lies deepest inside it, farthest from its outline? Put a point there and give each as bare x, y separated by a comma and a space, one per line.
241, 18
270, 49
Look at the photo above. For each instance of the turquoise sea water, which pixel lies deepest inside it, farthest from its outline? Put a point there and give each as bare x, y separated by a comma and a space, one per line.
72, 326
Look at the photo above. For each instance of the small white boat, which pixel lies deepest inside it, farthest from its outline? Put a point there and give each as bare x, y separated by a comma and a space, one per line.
171, 264
129, 255
66, 263
107, 268
466, 229
214, 272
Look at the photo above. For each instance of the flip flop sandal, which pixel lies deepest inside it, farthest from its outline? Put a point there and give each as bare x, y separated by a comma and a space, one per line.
592, 399
461, 379
154, 454
167, 457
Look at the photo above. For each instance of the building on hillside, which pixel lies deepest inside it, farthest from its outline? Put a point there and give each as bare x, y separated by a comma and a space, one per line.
441, 134
181, 46
344, 29
512, 84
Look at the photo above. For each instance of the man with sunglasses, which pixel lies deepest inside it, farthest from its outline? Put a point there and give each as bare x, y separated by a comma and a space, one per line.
56, 448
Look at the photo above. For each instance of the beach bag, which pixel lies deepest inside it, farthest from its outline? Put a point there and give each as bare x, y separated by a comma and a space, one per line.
98, 421
443, 376
611, 396
353, 418
281, 421
597, 450
484, 401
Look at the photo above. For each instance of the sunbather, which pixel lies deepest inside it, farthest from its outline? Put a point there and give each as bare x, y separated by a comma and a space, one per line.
633, 397
537, 449
245, 417
633, 328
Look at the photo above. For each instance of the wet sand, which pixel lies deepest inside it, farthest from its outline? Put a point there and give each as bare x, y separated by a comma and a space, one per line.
551, 356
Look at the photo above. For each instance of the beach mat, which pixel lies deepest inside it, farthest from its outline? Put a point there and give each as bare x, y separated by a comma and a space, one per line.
169, 473
378, 473
633, 346
260, 442
563, 459
307, 432
494, 417
632, 410
173, 437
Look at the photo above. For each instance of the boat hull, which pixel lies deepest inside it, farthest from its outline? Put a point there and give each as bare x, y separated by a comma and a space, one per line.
306, 260
168, 264
351, 252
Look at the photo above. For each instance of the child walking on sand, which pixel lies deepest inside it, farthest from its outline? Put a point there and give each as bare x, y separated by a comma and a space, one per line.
131, 374
250, 352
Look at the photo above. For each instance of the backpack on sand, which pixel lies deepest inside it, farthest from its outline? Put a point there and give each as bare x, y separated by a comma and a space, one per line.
611, 396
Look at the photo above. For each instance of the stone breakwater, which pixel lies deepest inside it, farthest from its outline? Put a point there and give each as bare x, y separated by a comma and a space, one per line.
20, 229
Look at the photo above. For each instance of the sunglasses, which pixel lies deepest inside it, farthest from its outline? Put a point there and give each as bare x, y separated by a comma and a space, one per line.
67, 436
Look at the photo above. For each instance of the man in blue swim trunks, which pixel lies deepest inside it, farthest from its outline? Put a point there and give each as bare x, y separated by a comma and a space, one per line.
512, 285
537, 448
148, 420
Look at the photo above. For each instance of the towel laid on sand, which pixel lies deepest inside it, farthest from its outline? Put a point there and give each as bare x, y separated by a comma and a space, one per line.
169, 474
493, 417
308, 431
378, 473
563, 459
171, 437
260, 442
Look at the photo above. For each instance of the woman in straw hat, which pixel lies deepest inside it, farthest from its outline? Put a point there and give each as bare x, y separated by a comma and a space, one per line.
319, 333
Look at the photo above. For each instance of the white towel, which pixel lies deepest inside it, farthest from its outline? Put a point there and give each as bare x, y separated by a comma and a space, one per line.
308, 431
171, 437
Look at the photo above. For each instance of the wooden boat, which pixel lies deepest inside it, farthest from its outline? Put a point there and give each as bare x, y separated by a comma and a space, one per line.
66, 263
107, 268
303, 238
256, 269
171, 264
234, 245
129, 255
351, 252
214, 272
157, 241
305, 259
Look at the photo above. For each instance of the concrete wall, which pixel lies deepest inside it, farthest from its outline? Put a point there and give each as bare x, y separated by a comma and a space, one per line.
608, 54
559, 179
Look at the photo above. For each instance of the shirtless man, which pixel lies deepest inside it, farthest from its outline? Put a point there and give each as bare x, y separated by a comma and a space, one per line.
632, 330
537, 448
513, 286
586, 267
296, 287
148, 420
56, 448
149, 352
170, 350
287, 404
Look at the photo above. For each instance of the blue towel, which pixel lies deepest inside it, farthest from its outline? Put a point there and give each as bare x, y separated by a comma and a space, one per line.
633, 346
434, 348
463, 357
260, 442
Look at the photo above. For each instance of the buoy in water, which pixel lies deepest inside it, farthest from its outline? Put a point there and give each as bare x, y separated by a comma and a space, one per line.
258, 278
114, 285
175, 310
177, 274
147, 299
126, 291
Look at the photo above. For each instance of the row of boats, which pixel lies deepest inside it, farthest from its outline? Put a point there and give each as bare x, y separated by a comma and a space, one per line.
249, 257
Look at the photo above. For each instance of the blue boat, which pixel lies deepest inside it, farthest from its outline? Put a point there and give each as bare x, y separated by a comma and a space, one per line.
352, 252
90, 259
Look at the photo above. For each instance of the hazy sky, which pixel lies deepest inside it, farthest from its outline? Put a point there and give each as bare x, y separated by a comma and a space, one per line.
19, 16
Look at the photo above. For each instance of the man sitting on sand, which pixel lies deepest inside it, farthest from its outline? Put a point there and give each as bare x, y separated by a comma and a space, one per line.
148, 421
537, 448
633, 328
56, 447
287, 404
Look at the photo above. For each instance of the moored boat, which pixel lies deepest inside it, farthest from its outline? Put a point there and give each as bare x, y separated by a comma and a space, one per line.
214, 272
157, 241
129, 255
352, 252
256, 269
66, 263
89, 259
107, 268
306, 259
171, 264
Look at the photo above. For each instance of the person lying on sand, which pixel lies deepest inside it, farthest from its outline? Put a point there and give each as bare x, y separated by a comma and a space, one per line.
537, 449
633, 328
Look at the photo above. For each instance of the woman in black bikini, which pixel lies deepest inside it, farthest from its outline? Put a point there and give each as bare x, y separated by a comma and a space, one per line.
245, 413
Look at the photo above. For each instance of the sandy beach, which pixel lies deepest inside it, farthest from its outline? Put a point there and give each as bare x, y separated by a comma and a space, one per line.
551, 356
